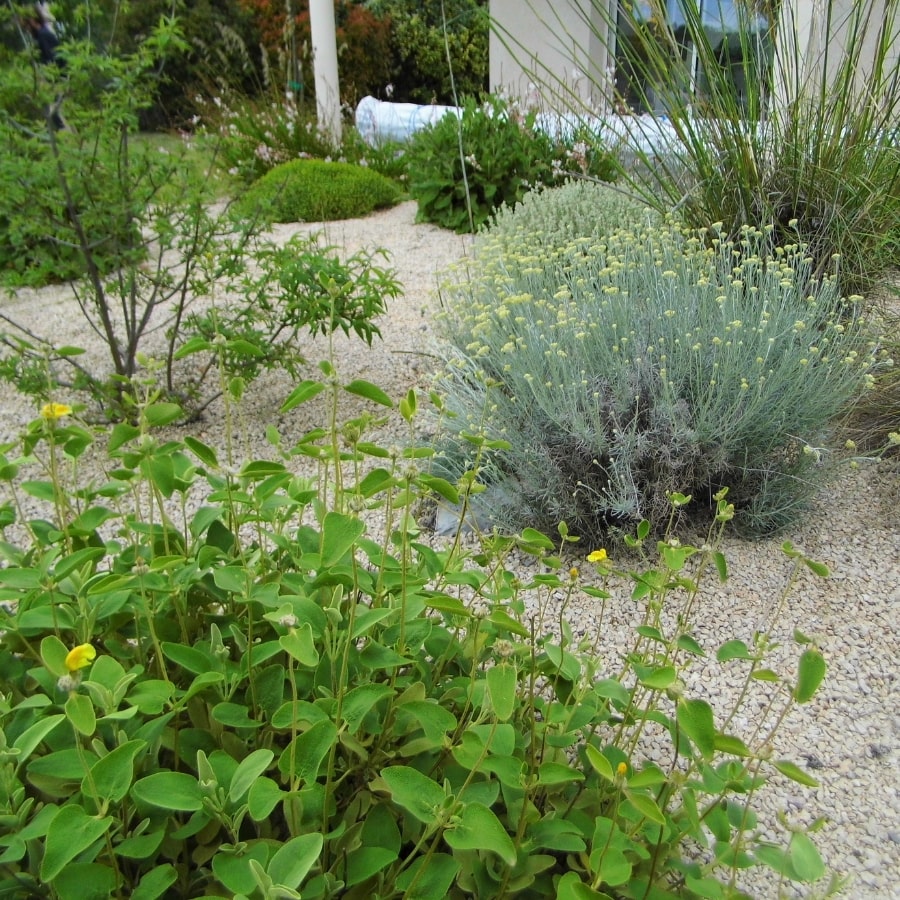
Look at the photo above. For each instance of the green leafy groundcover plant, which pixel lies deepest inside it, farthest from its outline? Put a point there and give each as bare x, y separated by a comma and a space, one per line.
618, 368
314, 190
217, 682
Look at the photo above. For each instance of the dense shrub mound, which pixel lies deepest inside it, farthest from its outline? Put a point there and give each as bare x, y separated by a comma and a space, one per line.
622, 368
461, 171
312, 190
577, 209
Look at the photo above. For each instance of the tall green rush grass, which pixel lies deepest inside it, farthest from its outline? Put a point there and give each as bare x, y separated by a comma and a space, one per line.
802, 134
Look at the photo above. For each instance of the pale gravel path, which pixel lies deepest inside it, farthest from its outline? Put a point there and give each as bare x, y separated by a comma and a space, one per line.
849, 735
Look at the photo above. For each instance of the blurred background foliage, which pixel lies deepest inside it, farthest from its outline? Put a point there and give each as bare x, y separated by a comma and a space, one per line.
392, 49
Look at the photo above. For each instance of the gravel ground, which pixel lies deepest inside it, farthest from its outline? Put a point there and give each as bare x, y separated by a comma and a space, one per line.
848, 737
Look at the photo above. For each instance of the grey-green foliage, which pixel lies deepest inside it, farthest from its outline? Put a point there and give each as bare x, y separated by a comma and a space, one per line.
578, 208
652, 359
313, 190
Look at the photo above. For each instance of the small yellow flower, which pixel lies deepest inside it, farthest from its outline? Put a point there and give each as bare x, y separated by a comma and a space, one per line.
80, 656
573, 573
54, 411
622, 769
597, 556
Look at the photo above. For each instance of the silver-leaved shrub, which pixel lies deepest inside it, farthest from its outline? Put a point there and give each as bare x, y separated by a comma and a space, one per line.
624, 366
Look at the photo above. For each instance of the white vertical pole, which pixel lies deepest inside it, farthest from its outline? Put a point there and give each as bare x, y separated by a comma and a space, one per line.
325, 68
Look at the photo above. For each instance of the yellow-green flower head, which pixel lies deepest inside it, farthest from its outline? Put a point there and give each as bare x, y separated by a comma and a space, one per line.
596, 556
79, 657
54, 411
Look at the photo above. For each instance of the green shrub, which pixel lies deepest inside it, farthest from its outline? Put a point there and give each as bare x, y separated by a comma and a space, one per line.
218, 683
133, 217
621, 368
421, 43
50, 189
462, 170
313, 190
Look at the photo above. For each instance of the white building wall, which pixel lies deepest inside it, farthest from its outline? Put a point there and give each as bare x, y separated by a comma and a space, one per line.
539, 48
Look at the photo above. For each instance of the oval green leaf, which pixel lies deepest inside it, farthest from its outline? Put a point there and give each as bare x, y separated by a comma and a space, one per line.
169, 790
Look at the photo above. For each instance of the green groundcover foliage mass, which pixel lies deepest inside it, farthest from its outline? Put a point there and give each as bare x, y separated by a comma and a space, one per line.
219, 682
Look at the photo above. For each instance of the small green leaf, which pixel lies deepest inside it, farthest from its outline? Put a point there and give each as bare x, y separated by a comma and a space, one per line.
304, 391
28, 740
192, 659
795, 773
300, 644
339, 534
501, 683
416, 793
233, 869
600, 764
811, 674
369, 391
360, 701
552, 773
805, 858
647, 807
727, 743
70, 834
765, 675
537, 539
80, 712
660, 678
408, 405
721, 565
234, 715
264, 796
695, 718
169, 790
303, 756
141, 846
111, 775
202, 451
613, 868
248, 772
158, 414
817, 568
53, 654
479, 829
155, 883
293, 860
571, 887
258, 469
441, 487
689, 644
733, 650
365, 861
85, 881
121, 434
429, 877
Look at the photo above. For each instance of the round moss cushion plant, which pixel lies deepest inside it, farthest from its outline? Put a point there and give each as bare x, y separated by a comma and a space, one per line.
313, 190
